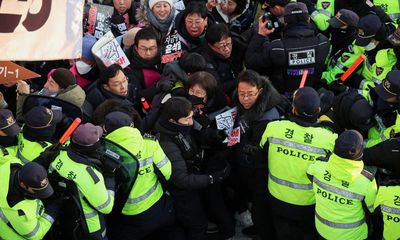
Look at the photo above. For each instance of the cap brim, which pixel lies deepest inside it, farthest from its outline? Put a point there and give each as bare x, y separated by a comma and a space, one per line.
382, 93
44, 193
12, 130
333, 22
362, 42
394, 40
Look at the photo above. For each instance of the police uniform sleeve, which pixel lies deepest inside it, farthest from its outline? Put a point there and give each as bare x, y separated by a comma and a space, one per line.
96, 193
161, 161
30, 225
265, 135
370, 195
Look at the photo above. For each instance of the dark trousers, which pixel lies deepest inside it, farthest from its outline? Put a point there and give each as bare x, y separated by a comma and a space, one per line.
292, 221
159, 216
191, 220
253, 183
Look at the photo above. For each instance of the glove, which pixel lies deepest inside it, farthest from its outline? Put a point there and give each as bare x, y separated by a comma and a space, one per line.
220, 176
48, 156
251, 149
220, 135
338, 87
326, 97
54, 205
166, 83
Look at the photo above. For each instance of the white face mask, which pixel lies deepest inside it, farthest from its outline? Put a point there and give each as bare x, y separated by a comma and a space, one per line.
370, 46
82, 67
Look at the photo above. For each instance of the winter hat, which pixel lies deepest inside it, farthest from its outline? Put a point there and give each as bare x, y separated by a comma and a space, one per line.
87, 43
63, 77
87, 134
154, 2
349, 145
115, 120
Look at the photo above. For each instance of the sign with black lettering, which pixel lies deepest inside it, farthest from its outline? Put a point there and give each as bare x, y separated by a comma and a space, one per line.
172, 48
40, 29
303, 57
98, 19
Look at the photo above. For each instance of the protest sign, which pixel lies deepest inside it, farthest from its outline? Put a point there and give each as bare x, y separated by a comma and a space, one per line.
98, 19
11, 72
109, 51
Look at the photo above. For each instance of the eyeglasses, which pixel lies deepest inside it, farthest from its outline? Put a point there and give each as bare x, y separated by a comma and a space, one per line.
195, 22
150, 49
222, 46
120, 83
248, 95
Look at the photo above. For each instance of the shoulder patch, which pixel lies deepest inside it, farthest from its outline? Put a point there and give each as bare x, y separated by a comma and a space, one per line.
149, 136
94, 176
367, 174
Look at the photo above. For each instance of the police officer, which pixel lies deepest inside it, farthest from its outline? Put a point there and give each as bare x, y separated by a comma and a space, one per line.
385, 101
287, 58
39, 128
22, 214
147, 208
341, 186
292, 146
387, 203
343, 29
9, 130
80, 163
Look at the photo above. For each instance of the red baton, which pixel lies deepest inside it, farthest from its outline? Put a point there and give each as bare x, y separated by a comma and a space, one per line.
69, 131
352, 68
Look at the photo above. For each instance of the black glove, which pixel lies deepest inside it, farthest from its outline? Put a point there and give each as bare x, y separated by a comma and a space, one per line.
220, 135
251, 149
48, 156
326, 97
338, 87
53, 206
166, 83
220, 176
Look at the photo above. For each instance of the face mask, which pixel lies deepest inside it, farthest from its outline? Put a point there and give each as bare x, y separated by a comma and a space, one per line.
196, 100
370, 46
47, 92
82, 67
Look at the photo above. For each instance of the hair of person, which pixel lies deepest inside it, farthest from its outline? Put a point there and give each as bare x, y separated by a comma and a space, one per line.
240, 6
146, 33
251, 77
110, 72
192, 62
205, 80
217, 32
172, 111
196, 7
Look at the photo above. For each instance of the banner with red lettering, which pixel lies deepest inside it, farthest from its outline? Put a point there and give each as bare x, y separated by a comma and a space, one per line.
40, 29
108, 50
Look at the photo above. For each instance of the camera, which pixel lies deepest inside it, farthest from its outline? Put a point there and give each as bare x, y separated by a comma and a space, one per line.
270, 24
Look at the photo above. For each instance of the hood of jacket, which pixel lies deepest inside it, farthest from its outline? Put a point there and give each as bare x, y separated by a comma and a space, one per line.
73, 94
344, 169
128, 137
228, 19
268, 99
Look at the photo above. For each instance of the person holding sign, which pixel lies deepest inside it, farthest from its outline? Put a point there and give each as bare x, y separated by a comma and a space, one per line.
258, 102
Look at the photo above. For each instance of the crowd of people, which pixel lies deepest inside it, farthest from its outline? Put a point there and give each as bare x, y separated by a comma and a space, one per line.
286, 124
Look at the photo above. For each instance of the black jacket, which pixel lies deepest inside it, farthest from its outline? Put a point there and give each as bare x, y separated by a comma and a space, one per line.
284, 59
185, 158
270, 105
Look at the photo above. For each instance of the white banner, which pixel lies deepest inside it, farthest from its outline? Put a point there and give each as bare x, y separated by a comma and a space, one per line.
41, 29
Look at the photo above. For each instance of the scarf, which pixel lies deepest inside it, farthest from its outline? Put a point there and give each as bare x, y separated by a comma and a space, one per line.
164, 25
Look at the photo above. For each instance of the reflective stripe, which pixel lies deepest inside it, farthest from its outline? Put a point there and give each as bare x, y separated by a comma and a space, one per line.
34, 231
146, 161
3, 217
105, 204
91, 214
144, 196
313, 14
22, 158
326, 13
111, 192
339, 225
391, 210
340, 65
299, 146
48, 218
162, 163
291, 184
342, 192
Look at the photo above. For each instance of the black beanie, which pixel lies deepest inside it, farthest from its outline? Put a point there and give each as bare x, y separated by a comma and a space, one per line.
349, 145
63, 77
